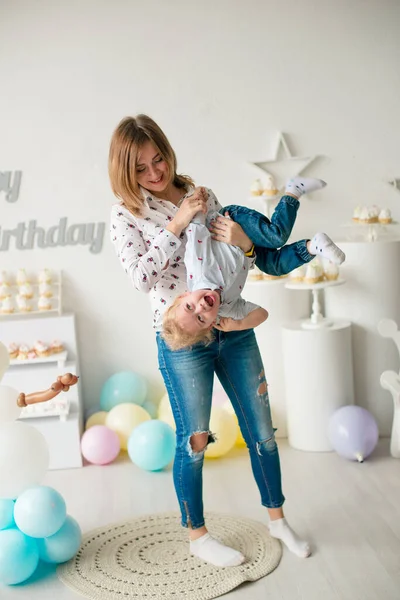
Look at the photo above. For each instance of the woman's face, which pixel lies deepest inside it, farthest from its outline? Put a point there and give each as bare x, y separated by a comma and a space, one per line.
152, 171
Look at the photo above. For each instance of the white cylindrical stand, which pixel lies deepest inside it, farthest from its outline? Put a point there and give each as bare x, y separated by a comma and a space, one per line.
319, 380
372, 293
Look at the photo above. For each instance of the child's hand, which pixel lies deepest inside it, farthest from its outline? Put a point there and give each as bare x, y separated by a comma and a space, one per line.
228, 324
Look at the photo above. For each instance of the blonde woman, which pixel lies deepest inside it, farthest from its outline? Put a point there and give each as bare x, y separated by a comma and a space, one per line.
148, 232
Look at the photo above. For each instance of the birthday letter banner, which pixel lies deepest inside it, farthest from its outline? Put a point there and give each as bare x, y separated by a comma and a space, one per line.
28, 235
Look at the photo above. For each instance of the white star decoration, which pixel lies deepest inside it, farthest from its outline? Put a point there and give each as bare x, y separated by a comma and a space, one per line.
284, 165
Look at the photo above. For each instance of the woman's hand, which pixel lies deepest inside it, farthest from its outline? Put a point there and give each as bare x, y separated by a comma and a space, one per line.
193, 204
225, 230
228, 324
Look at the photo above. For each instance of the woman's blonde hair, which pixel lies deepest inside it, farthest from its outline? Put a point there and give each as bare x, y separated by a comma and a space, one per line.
126, 141
176, 336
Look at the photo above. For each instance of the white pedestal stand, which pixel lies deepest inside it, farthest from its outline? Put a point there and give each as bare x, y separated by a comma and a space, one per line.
372, 293
316, 319
390, 380
319, 380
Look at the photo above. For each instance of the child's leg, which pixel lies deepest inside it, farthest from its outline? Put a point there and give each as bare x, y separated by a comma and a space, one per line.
265, 233
282, 261
274, 233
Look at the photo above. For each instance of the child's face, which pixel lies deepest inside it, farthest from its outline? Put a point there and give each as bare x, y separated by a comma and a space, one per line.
198, 310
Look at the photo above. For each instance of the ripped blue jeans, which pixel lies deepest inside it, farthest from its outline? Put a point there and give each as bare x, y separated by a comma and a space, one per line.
188, 375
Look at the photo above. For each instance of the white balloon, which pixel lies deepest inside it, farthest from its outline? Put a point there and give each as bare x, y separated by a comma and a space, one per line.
9, 411
4, 360
24, 458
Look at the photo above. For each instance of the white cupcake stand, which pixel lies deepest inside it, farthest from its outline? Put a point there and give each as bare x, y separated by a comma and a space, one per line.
318, 371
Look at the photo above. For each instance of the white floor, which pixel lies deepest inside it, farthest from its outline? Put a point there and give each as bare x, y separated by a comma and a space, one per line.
350, 512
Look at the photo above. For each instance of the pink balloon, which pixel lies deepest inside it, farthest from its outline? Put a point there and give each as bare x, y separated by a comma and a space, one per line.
100, 445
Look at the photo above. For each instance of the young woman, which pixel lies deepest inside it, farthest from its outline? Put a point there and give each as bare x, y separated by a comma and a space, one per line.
147, 230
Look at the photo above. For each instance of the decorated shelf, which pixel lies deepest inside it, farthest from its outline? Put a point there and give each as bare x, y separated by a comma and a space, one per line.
60, 358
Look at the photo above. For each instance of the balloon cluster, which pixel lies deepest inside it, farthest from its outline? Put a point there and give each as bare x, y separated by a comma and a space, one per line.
34, 524
125, 423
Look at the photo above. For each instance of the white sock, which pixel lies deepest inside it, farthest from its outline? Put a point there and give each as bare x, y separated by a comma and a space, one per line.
212, 551
303, 185
322, 245
281, 530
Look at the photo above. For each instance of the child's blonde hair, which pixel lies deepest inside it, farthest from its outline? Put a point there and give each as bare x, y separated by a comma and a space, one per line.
176, 336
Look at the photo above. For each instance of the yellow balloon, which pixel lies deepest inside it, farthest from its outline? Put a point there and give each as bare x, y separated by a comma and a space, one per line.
224, 426
98, 418
165, 412
239, 439
123, 419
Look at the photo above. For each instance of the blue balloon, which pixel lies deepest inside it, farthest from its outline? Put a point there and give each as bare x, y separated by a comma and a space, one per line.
353, 432
151, 408
151, 445
19, 556
40, 511
122, 388
6, 514
63, 545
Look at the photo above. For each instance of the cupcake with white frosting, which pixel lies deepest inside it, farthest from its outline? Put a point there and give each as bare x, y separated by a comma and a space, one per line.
256, 188
13, 350
298, 274
314, 272
356, 214
41, 349
22, 277
23, 352
26, 291
385, 216
23, 304
270, 188
7, 306
45, 290
44, 303
5, 291
331, 271
44, 276
4, 280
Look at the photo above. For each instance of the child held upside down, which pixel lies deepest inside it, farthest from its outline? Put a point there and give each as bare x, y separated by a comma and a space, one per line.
217, 271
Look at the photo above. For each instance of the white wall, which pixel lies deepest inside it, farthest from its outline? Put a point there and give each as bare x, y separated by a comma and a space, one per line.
221, 77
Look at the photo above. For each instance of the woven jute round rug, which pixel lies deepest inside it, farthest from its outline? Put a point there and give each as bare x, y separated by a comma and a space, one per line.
148, 557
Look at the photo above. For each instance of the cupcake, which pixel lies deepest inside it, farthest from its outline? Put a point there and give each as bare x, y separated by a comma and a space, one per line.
26, 290
298, 275
56, 346
44, 276
4, 280
257, 188
255, 274
374, 211
41, 349
13, 350
356, 214
22, 277
23, 304
7, 306
314, 272
5, 291
23, 352
32, 354
45, 290
270, 188
367, 216
385, 216
44, 303
331, 271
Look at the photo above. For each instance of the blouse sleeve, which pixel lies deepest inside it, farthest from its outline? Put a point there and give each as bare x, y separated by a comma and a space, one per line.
143, 265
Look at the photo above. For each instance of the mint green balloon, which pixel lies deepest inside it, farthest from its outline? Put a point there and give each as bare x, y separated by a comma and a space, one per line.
6, 514
121, 388
63, 545
151, 445
19, 556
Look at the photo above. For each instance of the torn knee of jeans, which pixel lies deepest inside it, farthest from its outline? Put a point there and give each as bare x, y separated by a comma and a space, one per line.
199, 441
267, 446
263, 387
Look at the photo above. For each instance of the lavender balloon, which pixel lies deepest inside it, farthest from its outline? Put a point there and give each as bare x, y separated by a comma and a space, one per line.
353, 432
